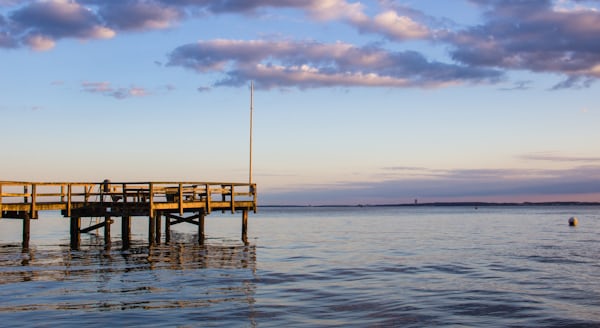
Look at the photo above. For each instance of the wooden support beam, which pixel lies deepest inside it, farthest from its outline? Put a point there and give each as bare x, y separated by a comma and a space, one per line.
95, 227
179, 219
75, 233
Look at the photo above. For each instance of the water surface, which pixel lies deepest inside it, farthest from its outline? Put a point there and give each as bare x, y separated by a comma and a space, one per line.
384, 266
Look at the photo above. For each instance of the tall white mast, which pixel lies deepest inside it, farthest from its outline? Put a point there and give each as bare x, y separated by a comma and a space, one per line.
251, 110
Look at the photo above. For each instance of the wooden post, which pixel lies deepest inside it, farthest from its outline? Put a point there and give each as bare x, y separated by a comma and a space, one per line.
201, 216
26, 230
180, 199
151, 230
75, 233
245, 226
107, 223
1, 200
33, 209
158, 228
69, 191
126, 231
167, 229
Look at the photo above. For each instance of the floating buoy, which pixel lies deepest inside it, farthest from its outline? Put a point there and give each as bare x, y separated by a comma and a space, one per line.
573, 221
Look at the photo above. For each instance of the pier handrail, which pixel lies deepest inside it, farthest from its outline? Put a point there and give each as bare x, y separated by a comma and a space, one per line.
33, 196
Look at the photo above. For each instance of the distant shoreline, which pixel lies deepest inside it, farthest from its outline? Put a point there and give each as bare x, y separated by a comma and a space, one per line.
450, 204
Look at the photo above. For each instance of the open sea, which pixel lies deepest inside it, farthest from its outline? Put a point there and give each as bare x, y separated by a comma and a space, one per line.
519, 266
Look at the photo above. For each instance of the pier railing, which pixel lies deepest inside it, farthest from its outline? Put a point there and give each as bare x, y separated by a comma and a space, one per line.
136, 198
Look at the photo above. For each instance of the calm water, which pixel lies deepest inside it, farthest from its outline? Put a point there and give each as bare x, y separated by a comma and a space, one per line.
453, 266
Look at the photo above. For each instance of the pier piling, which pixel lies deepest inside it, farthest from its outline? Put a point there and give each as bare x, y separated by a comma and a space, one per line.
107, 224
125, 232
245, 226
201, 215
26, 230
75, 232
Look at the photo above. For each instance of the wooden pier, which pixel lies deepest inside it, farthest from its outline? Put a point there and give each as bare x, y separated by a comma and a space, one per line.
177, 202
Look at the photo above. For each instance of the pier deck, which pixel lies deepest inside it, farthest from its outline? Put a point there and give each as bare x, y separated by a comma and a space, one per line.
173, 200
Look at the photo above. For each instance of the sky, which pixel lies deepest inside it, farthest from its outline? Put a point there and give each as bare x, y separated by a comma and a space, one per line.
355, 102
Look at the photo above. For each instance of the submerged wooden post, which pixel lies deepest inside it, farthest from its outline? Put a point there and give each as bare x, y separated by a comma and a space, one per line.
126, 231
26, 230
167, 229
158, 228
151, 230
245, 226
201, 216
107, 223
75, 232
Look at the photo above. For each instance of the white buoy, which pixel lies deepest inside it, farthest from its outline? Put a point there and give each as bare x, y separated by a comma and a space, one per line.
573, 221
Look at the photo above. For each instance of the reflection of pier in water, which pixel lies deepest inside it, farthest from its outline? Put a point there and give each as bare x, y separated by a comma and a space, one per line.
142, 275
177, 202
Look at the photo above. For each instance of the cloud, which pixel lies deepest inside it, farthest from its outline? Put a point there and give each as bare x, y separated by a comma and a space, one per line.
519, 85
535, 36
42, 23
544, 36
106, 89
550, 157
309, 64
137, 15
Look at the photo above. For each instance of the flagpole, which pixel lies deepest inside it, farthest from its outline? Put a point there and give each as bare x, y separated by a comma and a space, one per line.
251, 110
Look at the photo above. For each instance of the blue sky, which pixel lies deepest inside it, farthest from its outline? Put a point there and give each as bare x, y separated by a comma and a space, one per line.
355, 102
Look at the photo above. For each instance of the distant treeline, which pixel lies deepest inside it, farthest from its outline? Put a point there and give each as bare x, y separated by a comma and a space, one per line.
448, 204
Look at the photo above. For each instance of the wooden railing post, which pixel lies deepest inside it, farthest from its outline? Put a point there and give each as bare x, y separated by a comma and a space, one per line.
253, 192
32, 210
1, 195
208, 199
69, 192
232, 199
180, 199
151, 195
